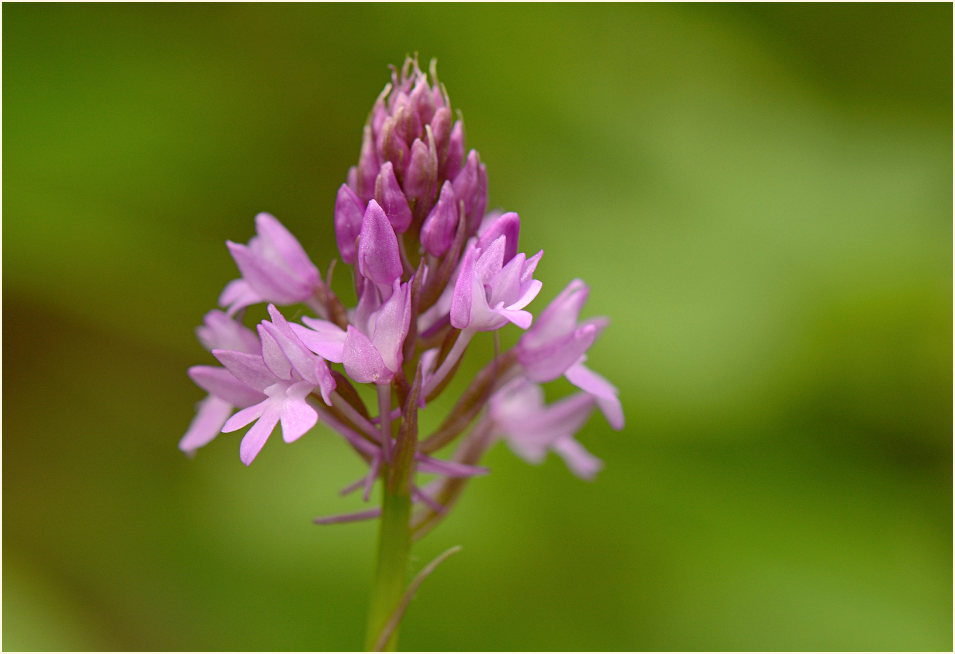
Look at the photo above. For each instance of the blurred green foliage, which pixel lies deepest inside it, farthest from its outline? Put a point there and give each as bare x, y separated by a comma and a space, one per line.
759, 195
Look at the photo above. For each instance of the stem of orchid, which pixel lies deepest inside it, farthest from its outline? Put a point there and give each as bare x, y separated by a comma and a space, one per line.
395, 618
391, 570
394, 532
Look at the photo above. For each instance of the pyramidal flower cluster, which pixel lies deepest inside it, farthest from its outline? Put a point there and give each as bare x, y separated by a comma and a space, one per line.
432, 269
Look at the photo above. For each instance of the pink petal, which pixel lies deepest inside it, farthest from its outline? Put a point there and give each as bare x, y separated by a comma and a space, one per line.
272, 354
464, 291
564, 417
297, 416
560, 316
551, 360
483, 318
531, 448
278, 240
268, 278
254, 439
250, 369
211, 414
581, 462
302, 360
245, 416
362, 361
491, 259
326, 382
219, 331
506, 283
391, 326
522, 319
222, 384
531, 265
606, 393
324, 338
237, 294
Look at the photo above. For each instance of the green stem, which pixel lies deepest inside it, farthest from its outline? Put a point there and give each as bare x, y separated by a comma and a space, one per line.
391, 570
394, 531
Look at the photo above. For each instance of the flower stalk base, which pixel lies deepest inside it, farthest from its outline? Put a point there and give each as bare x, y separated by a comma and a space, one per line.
391, 568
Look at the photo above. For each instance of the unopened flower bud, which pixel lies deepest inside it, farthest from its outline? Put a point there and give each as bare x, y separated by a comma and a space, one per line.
378, 257
389, 195
367, 167
379, 111
421, 102
507, 225
470, 187
389, 145
455, 158
348, 220
422, 172
441, 130
437, 232
408, 124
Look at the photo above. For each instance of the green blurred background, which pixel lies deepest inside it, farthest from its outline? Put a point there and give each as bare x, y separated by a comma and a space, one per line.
760, 197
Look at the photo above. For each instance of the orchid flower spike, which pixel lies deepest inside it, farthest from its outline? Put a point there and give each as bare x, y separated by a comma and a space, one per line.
432, 271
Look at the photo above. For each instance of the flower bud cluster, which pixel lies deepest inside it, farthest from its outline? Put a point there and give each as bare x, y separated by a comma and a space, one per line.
431, 269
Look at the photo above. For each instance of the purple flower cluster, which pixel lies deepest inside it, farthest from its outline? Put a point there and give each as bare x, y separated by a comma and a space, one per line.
431, 269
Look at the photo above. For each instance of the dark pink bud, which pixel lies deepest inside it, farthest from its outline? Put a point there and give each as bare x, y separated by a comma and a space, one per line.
508, 225
470, 187
422, 173
452, 165
438, 94
348, 219
392, 200
410, 123
379, 112
389, 145
437, 232
441, 129
378, 257
421, 102
367, 167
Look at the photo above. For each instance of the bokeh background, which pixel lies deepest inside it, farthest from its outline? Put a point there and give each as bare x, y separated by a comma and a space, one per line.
760, 197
